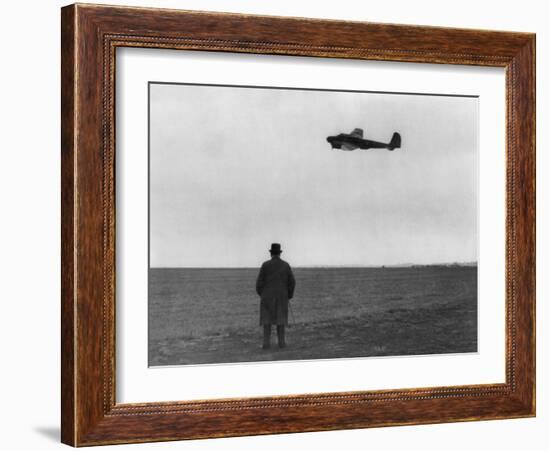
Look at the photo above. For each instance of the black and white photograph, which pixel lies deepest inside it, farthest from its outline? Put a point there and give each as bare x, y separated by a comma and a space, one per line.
238, 225
297, 224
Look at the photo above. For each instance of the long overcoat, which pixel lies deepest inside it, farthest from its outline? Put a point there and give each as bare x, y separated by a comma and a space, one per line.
275, 285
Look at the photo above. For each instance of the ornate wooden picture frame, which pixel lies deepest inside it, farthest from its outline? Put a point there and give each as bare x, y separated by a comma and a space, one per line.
90, 36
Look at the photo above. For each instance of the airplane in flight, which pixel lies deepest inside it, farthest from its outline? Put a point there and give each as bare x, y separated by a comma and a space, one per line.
355, 140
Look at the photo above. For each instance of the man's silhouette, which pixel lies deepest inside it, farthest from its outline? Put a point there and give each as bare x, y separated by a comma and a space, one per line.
275, 285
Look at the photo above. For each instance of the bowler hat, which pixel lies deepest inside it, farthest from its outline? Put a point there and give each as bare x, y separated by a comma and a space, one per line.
275, 248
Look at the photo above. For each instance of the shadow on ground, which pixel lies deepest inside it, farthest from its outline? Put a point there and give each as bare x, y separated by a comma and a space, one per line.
50, 432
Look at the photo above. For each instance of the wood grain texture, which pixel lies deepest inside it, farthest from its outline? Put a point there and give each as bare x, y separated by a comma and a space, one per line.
68, 146
90, 35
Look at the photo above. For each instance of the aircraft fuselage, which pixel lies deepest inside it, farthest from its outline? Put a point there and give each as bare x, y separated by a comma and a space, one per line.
342, 139
351, 141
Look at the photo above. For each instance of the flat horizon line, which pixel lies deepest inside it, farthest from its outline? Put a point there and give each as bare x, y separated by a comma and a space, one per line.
397, 265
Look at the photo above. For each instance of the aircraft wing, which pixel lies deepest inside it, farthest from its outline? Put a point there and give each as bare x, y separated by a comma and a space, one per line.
357, 132
348, 146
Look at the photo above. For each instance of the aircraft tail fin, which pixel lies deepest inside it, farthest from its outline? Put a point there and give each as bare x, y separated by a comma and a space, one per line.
395, 142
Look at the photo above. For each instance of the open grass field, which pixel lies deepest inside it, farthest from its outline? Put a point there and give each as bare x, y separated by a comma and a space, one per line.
199, 316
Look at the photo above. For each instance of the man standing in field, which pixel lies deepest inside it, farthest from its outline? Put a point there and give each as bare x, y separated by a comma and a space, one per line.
275, 286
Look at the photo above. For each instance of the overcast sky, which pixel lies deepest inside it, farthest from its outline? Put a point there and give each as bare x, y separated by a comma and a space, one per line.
234, 169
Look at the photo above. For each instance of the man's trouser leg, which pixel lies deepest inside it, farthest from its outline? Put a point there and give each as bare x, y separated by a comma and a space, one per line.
281, 335
267, 336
